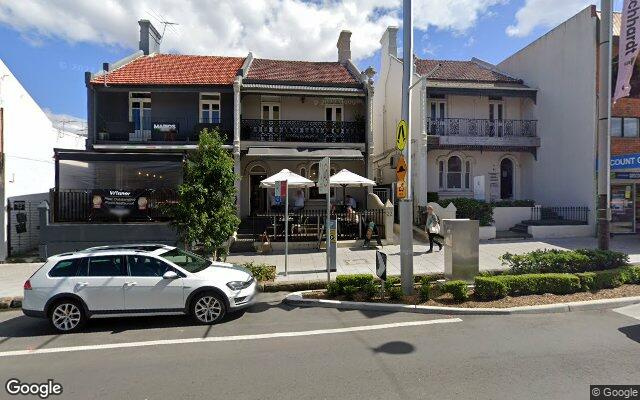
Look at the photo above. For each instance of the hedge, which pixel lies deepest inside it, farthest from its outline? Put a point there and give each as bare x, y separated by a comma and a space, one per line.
496, 287
356, 280
458, 289
563, 261
499, 286
471, 209
262, 272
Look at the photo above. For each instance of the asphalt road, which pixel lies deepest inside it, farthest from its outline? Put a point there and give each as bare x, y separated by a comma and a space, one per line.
274, 351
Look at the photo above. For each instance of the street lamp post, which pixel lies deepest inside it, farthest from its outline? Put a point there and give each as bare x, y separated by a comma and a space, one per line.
604, 125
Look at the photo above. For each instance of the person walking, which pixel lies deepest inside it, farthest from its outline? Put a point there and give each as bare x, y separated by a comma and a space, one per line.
432, 228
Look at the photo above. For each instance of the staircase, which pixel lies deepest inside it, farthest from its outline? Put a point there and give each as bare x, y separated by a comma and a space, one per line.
244, 240
520, 231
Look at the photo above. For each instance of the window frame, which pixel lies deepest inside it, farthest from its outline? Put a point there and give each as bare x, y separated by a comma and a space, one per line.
271, 105
82, 266
466, 168
140, 100
334, 109
169, 266
210, 103
124, 270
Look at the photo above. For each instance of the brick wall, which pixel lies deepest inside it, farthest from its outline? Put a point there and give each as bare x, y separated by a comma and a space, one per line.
626, 107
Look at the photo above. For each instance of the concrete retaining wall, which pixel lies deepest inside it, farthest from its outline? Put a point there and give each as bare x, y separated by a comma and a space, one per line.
507, 217
561, 231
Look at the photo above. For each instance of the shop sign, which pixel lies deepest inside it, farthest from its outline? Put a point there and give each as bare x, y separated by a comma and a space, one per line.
625, 161
119, 203
625, 175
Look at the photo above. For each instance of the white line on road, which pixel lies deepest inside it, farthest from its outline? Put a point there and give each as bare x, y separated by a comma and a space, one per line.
226, 338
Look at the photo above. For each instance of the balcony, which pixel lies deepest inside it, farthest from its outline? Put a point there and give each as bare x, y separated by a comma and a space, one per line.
260, 130
512, 133
160, 131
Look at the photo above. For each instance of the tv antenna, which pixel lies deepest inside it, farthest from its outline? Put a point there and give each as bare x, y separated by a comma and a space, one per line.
164, 22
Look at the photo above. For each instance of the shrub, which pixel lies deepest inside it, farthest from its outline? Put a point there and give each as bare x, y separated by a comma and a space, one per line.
349, 291
425, 291
356, 280
432, 197
458, 290
472, 209
526, 284
633, 274
563, 261
395, 293
587, 281
333, 289
262, 272
603, 259
426, 279
514, 203
610, 279
391, 282
489, 288
369, 290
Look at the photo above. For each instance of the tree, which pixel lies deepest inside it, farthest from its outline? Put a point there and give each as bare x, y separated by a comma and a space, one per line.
206, 211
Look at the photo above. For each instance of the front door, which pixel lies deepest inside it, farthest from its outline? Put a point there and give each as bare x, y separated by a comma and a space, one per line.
103, 287
506, 179
496, 118
147, 289
258, 196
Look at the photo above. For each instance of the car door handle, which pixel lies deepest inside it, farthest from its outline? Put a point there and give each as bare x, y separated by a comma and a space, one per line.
130, 283
83, 284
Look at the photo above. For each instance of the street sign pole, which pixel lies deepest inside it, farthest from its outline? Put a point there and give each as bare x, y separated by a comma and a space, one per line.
324, 170
604, 125
286, 226
406, 204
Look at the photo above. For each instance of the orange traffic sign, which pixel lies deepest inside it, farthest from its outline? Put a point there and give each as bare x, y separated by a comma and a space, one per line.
401, 169
401, 189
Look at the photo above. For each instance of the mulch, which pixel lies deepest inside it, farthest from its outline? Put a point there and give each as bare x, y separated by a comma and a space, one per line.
445, 300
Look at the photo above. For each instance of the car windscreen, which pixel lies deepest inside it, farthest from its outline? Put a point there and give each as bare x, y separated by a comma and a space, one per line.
189, 261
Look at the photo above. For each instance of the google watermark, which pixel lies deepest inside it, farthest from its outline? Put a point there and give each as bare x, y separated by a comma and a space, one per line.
615, 392
43, 390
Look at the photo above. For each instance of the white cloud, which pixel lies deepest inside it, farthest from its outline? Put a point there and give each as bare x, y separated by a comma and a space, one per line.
458, 15
545, 14
294, 29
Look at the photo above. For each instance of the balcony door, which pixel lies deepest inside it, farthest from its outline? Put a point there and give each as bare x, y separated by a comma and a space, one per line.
140, 116
210, 108
496, 118
437, 115
333, 114
270, 111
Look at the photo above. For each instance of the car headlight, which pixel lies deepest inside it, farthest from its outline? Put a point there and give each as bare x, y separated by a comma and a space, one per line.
239, 285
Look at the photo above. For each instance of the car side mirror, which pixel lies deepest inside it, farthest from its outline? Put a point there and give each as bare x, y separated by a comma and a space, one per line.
170, 275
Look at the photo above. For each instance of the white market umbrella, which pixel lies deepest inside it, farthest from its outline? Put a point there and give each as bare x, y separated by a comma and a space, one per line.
293, 180
346, 178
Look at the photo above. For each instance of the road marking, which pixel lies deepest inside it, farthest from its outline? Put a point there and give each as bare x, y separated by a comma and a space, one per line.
632, 311
226, 338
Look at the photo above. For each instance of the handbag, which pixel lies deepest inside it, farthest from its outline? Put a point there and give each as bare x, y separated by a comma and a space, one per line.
435, 228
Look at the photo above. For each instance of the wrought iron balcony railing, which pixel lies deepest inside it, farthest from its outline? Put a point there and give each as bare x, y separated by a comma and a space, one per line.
481, 127
302, 131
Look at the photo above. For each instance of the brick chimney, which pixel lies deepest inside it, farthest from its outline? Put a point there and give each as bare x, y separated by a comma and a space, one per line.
389, 41
344, 46
149, 37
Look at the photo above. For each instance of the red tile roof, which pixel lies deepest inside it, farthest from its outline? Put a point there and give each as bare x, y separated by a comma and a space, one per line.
300, 72
171, 69
461, 71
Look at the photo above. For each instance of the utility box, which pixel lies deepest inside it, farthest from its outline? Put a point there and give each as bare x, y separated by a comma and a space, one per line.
461, 248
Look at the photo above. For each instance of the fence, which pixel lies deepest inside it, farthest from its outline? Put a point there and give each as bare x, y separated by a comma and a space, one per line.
561, 215
309, 225
481, 127
77, 206
23, 226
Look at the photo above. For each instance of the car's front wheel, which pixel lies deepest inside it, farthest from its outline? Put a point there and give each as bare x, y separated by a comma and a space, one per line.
67, 316
208, 308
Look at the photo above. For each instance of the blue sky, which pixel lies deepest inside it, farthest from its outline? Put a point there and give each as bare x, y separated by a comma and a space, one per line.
52, 66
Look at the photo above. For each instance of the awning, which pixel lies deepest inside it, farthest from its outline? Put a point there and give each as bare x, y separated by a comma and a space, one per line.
304, 154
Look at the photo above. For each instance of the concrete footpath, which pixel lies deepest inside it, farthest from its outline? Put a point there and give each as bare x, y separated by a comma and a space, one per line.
307, 265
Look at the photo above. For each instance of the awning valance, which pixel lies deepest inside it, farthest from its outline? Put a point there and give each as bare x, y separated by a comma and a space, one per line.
304, 154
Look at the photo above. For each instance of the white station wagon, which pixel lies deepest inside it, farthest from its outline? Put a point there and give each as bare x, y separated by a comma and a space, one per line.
137, 280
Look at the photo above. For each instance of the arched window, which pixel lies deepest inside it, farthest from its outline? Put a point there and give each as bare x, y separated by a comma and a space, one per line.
258, 170
454, 173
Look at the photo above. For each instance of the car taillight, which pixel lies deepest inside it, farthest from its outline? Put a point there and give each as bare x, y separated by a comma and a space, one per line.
27, 285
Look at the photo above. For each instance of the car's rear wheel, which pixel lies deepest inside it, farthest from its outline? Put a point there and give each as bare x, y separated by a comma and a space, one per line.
67, 316
208, 308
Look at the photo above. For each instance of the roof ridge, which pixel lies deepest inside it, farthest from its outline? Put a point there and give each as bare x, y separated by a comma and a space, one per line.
300, 61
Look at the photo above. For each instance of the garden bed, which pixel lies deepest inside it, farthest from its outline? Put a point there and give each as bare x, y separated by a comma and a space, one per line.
446, 300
